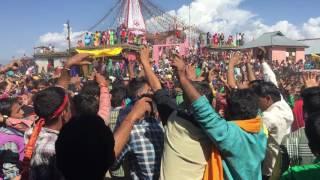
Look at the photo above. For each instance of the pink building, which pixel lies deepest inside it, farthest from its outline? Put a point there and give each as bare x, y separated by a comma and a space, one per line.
278, 46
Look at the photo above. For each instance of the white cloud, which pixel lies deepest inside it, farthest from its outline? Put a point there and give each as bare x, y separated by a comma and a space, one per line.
59, 39
227, 16
215, 16
312, 28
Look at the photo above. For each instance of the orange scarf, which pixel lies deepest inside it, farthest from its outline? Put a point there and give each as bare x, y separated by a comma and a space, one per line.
214, 168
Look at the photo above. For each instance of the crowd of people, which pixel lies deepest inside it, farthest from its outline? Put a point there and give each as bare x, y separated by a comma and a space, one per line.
231, 115
112, 37
220, 40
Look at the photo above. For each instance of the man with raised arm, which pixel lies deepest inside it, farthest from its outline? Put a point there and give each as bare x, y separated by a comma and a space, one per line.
240, 144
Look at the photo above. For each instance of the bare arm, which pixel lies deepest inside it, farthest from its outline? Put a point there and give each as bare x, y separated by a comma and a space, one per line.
250, 73
122, 134
188, 88
191, 93
105, 101
230, 74
65, 78
149, 74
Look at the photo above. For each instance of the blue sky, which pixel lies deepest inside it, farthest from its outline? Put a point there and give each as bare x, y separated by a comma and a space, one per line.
295, 11
22, 22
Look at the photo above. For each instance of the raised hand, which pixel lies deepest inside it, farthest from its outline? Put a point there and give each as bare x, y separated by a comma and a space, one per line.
235, 59
310, 80
249, 56
178, 63
144, 55
141, 108
191, 72
77, 59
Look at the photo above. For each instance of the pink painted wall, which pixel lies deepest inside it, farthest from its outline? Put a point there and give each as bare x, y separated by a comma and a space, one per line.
279, 53
300, 54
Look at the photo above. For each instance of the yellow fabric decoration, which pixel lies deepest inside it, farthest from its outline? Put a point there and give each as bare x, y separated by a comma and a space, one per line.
109, 52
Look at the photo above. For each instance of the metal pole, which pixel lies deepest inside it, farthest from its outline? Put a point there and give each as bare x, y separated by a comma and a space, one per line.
190, 24
69, 39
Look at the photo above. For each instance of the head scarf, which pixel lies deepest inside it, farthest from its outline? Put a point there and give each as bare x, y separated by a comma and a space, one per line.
34, 136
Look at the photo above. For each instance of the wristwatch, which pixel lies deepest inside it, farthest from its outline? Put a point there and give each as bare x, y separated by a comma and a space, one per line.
4, 120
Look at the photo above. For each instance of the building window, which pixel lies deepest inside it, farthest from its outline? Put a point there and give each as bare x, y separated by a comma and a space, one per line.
291, 53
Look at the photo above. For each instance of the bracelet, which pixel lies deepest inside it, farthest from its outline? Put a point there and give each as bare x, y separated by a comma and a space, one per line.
67, 69
5, 118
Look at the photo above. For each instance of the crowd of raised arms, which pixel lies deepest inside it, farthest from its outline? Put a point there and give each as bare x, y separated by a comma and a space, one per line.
231, 115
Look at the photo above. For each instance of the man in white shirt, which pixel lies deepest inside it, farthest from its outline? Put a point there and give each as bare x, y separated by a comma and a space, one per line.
277, 115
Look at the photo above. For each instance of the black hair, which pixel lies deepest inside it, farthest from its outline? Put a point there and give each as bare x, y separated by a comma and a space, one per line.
134, 86
47, 101
118, 95
311, 100
260, 55
242, 104
85, 104
52, 82
118, 83
312, 129
42, 82
255, 83
91, 88
6, 105
85, 148
3, 85
32, 84
263, 89
36, 83
204, 89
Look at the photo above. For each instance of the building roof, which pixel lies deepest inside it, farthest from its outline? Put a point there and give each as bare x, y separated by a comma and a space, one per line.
273, 39
47, 55
314, 45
